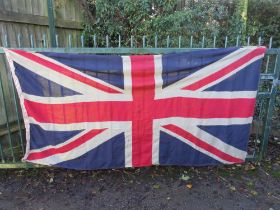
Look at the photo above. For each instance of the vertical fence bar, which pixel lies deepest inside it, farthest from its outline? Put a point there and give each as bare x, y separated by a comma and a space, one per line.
167, 41
19, 40
94, 41
248, 41
131, 41
7, 120
56, 40
259, 41
18, 118
44, 41
270, 42
237, 40
6, 43
191, 42
52, 24
203, 40
69, 40
261, 111
31, 41
226, 40
120, 40
214, 42
107, 41
268, 57
2, 154
272, 98
180, 41
82, 40
156, 40
144, 41
17, 113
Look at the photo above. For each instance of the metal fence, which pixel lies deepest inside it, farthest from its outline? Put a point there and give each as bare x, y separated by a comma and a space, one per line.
12, 133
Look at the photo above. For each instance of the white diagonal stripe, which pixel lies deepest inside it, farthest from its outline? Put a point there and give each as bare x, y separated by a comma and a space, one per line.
78, 72
56, 77
114, 127
77, 151
217, 143
210, 69
191, 125
231, 73
195, 146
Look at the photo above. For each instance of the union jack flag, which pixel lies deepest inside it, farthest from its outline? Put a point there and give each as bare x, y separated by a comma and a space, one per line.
87, 111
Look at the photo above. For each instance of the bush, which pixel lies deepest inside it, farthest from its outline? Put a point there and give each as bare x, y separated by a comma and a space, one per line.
187, 18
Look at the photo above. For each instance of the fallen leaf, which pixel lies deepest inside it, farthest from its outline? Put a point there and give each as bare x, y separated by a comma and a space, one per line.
254, 193
250, 184
189, 186
185, 177
51, 180
156, 186
232, 188
249, 167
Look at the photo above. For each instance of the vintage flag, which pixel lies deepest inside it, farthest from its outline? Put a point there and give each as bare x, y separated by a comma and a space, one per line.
87, 111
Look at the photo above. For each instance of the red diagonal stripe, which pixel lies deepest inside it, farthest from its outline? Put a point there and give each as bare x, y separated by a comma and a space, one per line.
65, 148
198, 142
64, 71
226, 70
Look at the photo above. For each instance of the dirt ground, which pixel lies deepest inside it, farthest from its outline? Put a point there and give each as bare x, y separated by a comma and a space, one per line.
247, 186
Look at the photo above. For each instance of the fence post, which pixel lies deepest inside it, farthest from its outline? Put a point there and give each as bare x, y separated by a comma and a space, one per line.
51, 23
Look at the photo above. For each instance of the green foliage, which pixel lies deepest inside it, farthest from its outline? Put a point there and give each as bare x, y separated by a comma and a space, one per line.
175, 18
264, 20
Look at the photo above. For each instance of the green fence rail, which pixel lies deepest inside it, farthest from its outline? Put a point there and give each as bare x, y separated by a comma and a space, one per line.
12, 132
